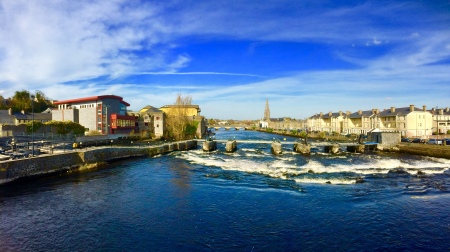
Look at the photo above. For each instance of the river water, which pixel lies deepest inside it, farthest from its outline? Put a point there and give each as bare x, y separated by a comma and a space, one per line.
249, 200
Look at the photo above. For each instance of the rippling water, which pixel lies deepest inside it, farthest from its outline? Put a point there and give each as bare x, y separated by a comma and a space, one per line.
249, 200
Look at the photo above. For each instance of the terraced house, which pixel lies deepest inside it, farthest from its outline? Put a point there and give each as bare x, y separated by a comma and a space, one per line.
409, 121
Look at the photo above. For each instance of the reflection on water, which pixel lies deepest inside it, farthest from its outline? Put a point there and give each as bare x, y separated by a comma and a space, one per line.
247, 200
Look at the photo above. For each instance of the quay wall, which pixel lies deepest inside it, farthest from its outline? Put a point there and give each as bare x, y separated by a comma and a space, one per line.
12, 170
430, 150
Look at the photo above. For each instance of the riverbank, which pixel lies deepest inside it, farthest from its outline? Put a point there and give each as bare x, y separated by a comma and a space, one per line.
431, 150
81, 159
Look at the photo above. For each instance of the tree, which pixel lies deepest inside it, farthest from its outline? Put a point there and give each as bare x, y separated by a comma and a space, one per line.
178, 124
22, 101
212, 122
41, 102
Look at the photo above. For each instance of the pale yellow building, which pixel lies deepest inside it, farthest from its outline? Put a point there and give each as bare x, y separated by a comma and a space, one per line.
441, 120
190, 110
409, 121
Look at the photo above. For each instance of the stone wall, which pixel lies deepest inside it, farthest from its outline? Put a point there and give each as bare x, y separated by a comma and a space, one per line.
430, 150
47, 164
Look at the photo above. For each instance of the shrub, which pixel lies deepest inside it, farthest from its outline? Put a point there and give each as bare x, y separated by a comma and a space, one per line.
33, 126
67, 127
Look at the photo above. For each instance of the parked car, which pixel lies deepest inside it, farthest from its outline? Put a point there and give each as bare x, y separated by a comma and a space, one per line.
434, 141
406, 140
447, 141
418, 140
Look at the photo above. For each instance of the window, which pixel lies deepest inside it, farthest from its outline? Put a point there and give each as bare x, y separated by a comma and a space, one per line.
157, 125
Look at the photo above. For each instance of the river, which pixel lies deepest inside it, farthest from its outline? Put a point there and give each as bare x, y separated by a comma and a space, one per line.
249, 200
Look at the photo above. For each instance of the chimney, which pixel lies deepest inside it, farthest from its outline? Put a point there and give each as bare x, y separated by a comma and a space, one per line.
321, 114
447, 110
359, 112
374, 111
441, 111
330, 113
392, 109
424, 108
411, 108
23, 112
10, 111
340, 113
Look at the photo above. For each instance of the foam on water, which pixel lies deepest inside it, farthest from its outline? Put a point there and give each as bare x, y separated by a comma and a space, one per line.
335, 181
327, 168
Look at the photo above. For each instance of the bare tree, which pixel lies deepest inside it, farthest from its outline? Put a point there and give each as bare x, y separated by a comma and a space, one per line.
177, 121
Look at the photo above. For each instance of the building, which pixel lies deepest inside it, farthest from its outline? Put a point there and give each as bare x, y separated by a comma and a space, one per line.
152, 120
105, 114
409, 121
264, 123
187, 110
15, 123
360, 122
441, 120
8, 117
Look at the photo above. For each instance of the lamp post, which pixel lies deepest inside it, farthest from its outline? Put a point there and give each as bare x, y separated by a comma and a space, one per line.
32, 125
437, 125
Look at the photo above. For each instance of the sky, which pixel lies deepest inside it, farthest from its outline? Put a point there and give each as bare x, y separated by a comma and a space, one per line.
230, 56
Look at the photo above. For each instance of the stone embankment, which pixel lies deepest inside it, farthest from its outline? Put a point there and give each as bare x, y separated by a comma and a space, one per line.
81, 159
439, 151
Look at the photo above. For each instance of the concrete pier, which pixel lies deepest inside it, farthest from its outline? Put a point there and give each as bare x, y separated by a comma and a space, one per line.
356, 148
302, 148
209, 145
276, 149
333, 149
231, 146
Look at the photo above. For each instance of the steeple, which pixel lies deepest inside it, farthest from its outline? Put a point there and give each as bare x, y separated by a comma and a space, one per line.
267, 111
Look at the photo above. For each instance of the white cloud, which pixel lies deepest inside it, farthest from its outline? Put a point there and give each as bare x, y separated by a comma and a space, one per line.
48, 43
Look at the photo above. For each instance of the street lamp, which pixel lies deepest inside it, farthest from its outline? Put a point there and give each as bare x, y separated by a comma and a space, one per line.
32, 124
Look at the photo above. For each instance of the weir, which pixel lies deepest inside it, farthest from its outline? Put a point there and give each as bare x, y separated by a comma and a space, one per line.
276, 146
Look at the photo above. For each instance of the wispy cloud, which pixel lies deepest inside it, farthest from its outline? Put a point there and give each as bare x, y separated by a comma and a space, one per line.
100, 46
199, 73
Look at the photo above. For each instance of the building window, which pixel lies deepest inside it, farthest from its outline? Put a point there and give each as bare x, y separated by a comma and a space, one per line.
157, 125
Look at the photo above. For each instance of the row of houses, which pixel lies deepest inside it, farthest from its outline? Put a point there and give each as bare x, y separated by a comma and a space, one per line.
106, 114
409, 121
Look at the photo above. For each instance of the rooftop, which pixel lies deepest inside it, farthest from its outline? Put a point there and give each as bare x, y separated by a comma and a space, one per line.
92, 98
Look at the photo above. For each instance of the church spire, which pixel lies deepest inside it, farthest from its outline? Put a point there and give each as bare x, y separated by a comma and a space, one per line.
267, 111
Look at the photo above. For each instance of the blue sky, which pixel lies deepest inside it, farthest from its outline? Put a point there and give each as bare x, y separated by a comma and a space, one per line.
305, 57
